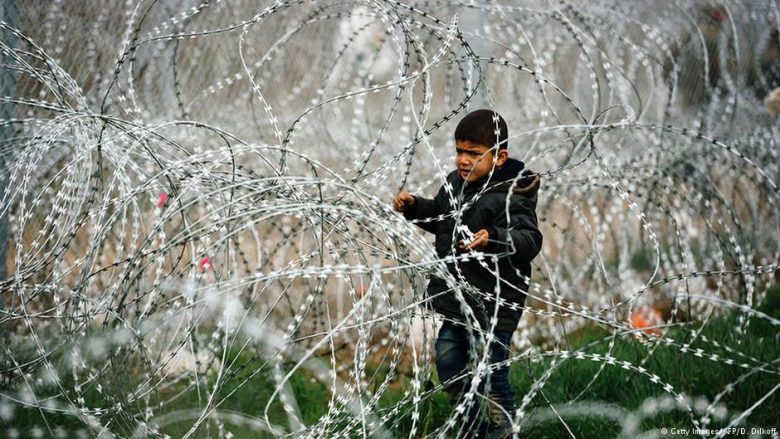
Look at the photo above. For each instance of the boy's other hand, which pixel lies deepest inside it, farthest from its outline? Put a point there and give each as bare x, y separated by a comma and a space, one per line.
480, 242
403, 201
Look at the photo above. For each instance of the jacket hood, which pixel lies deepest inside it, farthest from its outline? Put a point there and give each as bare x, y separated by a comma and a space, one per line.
510, 170
527, 184
503, 178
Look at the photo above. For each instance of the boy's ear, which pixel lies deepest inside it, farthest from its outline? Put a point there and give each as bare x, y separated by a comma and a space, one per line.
503, 154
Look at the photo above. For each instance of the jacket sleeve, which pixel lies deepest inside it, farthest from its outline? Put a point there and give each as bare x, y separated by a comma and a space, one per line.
522, 238
428, 208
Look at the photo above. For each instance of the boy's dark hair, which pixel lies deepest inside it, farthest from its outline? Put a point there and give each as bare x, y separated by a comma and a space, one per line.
479, 127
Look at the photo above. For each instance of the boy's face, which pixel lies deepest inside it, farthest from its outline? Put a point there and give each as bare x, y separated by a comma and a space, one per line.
473, 161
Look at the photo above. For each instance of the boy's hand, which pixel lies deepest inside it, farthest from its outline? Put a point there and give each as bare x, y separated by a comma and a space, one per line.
403, 201
479, 242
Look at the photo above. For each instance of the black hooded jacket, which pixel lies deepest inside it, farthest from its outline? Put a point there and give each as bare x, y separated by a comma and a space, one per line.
510, 220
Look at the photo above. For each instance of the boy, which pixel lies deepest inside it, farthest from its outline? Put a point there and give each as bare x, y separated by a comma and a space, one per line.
500, 210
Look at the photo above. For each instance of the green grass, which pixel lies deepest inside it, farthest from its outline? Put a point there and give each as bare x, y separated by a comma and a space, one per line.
585, 382
573, 383
687, 373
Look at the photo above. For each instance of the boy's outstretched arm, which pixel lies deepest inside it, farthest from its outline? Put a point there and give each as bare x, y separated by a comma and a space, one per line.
419, 208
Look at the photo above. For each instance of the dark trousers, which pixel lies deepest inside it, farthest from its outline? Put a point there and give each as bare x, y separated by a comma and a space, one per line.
452, 359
